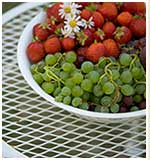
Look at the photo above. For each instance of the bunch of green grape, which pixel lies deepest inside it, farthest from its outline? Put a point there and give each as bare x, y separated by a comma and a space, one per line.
103, 84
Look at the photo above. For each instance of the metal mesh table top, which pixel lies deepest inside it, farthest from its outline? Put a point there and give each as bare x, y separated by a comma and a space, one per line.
37, 128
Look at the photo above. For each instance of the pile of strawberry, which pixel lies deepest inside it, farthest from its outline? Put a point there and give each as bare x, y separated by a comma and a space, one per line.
114, 24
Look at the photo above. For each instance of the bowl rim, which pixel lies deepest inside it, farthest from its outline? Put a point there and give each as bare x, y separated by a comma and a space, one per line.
21, 54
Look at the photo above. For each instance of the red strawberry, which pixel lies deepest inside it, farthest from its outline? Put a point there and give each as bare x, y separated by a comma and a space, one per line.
58, 29
129, 6
68, 43
98, 19
83, 4
112, 48
123, 34
124, 18
93, 6
140, 8
134, 7
35, 51
52, 45
82, 51
92, 29
40, 31
109, 28
95, 51
86, 14
53, 12
99, 35
85, 37
138, 27
51, 25
108, 10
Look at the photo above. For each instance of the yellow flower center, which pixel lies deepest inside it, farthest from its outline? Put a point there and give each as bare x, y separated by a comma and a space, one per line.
73, 23
67, 10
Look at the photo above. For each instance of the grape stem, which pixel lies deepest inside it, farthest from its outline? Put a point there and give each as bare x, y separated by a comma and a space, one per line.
133, 61
56, 78
108, 73
101, 77
140, 82
58, 61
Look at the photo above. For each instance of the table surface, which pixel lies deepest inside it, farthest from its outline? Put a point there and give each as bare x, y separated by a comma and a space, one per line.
37, 128
9, 5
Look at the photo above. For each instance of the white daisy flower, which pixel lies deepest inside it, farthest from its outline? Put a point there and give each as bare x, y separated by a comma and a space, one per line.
73, 24
67, 33
88, 24
68, 8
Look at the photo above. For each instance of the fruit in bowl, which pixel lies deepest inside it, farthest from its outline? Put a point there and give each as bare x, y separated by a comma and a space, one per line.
88, 60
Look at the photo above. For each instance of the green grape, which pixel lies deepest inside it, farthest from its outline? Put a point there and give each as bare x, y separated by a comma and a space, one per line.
77, 78
136, 72
120, 98
67, 67
69, 83
71, 56
113, 58
66, 91
137, 98
86, 96
102, 62
33, 68
41, 65
104, 80
127, 90
50, 59
46, 77
55, 83
57, 91
97, 90
113, 94
87, 66
56, 71
119, 82
106, 101
125, 59
94, 99
77, 91
126, 76
108, 88
87, 85
93, 76
115, 74
63, 75
62, 62
97, 109
140, 89
137, 63
84, 106
134, 108
100, 71
59, 98
48, 87
67, 100
145, 94
38, 78
114, 108
73, 67
58, 55
76, 101
104, 109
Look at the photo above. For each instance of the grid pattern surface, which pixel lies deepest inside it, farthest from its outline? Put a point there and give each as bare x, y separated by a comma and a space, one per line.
39, 129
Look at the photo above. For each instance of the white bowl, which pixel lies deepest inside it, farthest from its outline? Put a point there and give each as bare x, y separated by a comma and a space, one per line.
24, 66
